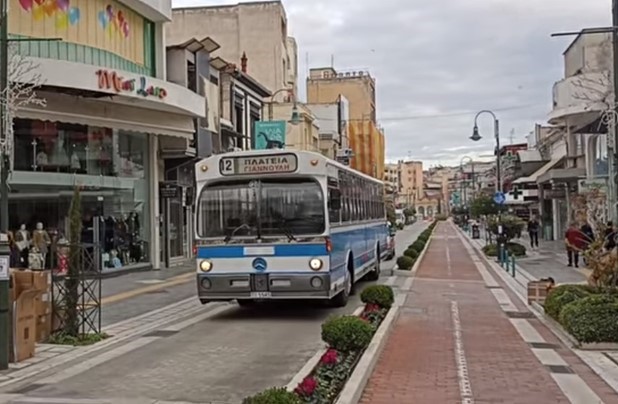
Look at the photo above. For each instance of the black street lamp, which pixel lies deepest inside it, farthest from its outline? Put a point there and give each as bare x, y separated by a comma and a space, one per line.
476, 137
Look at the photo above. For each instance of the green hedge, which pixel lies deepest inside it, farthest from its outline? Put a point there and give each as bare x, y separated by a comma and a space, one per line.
412, 253
347, 333
406, 263
491, 250
381, 295
592, 319
562, 295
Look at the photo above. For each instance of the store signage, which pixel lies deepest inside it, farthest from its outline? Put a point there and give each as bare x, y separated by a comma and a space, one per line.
277, 164
168, 190
111, 80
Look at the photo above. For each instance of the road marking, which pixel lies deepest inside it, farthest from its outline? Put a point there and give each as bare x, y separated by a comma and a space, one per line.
448, 261
575, 389
465, 388
527, 332
549, 357
503, 299
123, 349
177, 280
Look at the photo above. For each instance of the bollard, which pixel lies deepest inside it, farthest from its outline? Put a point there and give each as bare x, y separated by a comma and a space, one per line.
4, 302
506, 260
513, 264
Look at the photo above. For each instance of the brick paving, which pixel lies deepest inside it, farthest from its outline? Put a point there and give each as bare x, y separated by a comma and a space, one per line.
419, 362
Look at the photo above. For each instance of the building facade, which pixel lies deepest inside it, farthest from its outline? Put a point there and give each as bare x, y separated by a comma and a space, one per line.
326, 85
109, 110
256, 30
303, 135
332, 121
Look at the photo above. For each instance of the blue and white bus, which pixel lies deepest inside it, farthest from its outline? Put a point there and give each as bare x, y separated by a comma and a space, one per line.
285, 224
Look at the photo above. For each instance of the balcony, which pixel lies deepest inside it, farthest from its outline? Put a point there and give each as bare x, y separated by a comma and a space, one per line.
580, 100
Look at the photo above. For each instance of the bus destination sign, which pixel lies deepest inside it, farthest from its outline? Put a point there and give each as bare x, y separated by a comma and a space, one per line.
274, 164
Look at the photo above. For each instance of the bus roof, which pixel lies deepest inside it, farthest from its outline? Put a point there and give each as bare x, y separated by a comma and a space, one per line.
302, 155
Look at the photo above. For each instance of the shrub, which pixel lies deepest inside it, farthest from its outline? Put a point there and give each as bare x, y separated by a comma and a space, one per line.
491, 250
347, 333
400, 226
412, 253
381, 295
562, 295
424, 238
405, 263
592, 319
275, 395
418, 245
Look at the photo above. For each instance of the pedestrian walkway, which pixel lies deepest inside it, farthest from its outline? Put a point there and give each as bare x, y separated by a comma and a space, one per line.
462, 336
549, 260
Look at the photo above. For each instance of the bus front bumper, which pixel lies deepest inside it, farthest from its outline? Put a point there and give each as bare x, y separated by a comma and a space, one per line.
213, 287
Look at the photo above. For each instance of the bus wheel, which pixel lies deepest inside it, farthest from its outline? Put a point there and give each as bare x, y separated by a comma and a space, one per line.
341, 300
375, 274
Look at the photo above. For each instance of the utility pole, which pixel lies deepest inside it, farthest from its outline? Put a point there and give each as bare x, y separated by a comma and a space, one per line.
614, 120
4, 189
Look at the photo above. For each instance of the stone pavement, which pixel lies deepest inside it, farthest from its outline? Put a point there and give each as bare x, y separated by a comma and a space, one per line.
462, 336
549, 260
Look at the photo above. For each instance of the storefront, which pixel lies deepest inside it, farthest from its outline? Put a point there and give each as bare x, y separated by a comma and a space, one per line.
111, 151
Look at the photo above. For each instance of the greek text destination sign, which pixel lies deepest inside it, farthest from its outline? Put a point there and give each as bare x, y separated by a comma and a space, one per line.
281, 163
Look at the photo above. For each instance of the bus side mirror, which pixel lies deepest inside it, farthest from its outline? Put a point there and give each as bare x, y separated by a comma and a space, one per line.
335, 199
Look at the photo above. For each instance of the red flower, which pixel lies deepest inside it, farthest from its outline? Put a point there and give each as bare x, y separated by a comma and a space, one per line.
372, 308
330, 357
307, 387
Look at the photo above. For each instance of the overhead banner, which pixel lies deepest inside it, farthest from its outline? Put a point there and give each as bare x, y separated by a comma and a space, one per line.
269, 135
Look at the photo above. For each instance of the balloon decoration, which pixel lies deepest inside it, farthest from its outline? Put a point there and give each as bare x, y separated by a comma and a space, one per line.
60, 10
113, 21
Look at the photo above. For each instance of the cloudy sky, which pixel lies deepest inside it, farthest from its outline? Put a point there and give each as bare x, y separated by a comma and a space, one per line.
439, 62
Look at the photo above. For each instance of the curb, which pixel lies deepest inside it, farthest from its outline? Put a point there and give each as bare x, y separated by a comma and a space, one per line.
354, 387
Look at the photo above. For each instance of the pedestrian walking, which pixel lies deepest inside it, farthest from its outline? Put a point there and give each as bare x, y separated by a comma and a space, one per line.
574, 241
533, 231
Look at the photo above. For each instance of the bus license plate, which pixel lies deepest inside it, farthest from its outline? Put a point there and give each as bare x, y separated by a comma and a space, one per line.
261, 295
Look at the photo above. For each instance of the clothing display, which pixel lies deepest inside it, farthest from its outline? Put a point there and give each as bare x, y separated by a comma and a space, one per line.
122, 244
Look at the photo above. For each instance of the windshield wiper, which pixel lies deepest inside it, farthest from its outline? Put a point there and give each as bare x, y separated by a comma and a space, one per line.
286, 230
233, 233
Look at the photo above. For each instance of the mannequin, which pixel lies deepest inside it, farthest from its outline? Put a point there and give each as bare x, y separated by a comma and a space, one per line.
60, 157
23, 241
41, 240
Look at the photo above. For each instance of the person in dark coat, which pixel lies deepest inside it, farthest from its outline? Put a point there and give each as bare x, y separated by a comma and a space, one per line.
533, 231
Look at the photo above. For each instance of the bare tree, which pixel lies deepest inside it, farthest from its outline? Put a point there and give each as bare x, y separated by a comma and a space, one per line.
23, 80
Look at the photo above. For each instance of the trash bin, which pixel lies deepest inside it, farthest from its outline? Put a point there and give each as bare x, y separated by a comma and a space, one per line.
476, 232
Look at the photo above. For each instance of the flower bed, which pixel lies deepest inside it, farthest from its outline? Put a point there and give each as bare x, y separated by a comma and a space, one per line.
347, 338
409, 257
589, 314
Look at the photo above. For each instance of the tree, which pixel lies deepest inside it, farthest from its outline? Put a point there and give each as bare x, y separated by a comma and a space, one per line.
75, 265
512, 226
23, 80
483, 205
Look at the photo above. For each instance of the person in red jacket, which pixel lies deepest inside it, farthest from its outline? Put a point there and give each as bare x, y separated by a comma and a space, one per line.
575, 242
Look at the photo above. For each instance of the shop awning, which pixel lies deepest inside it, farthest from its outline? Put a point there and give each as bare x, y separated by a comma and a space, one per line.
538, 173
92, 112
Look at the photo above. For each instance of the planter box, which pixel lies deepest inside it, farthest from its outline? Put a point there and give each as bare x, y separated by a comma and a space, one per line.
537, 291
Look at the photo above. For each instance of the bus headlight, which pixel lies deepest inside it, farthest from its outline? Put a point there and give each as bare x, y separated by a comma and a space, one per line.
315, 264
205, 266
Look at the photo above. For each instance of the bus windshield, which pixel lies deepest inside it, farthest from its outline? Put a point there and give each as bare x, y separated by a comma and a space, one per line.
261, 208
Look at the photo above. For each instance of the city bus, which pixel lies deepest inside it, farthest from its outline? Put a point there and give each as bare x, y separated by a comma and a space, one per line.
285, 224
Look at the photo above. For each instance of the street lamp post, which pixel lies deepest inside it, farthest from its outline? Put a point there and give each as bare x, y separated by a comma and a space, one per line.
461, 168
476, 137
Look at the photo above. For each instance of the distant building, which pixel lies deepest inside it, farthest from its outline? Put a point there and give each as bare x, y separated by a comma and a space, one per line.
326, 85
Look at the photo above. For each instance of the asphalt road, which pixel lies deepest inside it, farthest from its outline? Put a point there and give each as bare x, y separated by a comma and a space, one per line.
221, 359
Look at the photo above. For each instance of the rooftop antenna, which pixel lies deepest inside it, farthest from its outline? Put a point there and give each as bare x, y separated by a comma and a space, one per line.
512, 136
332, 61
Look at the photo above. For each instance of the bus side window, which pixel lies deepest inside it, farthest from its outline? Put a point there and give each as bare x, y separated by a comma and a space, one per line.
334, 205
